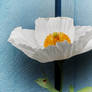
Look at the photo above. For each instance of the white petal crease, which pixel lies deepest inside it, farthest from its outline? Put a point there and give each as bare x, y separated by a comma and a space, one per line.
23, 36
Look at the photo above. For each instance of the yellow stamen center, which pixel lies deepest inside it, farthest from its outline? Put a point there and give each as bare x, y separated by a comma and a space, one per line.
55, 37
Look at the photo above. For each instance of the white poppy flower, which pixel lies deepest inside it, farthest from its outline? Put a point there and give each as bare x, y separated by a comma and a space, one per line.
53, 39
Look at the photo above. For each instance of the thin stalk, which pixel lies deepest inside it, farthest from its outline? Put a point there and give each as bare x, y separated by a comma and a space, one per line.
61, 81
59, 75
60, 65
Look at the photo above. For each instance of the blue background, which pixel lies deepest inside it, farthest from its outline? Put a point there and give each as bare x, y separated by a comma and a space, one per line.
17, 71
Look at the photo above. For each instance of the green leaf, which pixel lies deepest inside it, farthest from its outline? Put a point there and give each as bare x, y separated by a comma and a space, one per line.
86, 89
45, 83
71, 88
42, 82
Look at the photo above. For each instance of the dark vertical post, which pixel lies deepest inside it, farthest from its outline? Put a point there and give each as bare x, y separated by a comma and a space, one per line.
57, 8
57, 76
57, 68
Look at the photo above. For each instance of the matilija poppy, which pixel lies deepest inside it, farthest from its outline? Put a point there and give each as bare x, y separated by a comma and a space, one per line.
53, 39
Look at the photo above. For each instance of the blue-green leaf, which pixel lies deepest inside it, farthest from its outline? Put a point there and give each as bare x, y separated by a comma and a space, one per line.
71, 88
45, 83
86, 89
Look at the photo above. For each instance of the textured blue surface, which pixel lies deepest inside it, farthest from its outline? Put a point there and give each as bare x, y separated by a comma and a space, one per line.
17, 71
67, 8
83, 12
78, 71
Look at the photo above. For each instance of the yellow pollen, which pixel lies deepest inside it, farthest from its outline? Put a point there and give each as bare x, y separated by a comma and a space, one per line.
55, 37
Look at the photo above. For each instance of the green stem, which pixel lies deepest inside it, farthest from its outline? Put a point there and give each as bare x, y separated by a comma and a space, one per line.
52, 89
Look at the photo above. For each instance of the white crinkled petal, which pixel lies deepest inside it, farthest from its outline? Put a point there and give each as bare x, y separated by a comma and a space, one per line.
29, 51
81, 45
88, 47
45, 26
61, 51
65, 49
24, 40
83, 42
81, 31
48, 54
23, 36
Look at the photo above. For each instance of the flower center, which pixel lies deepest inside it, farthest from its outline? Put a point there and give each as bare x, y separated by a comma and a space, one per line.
55, 37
